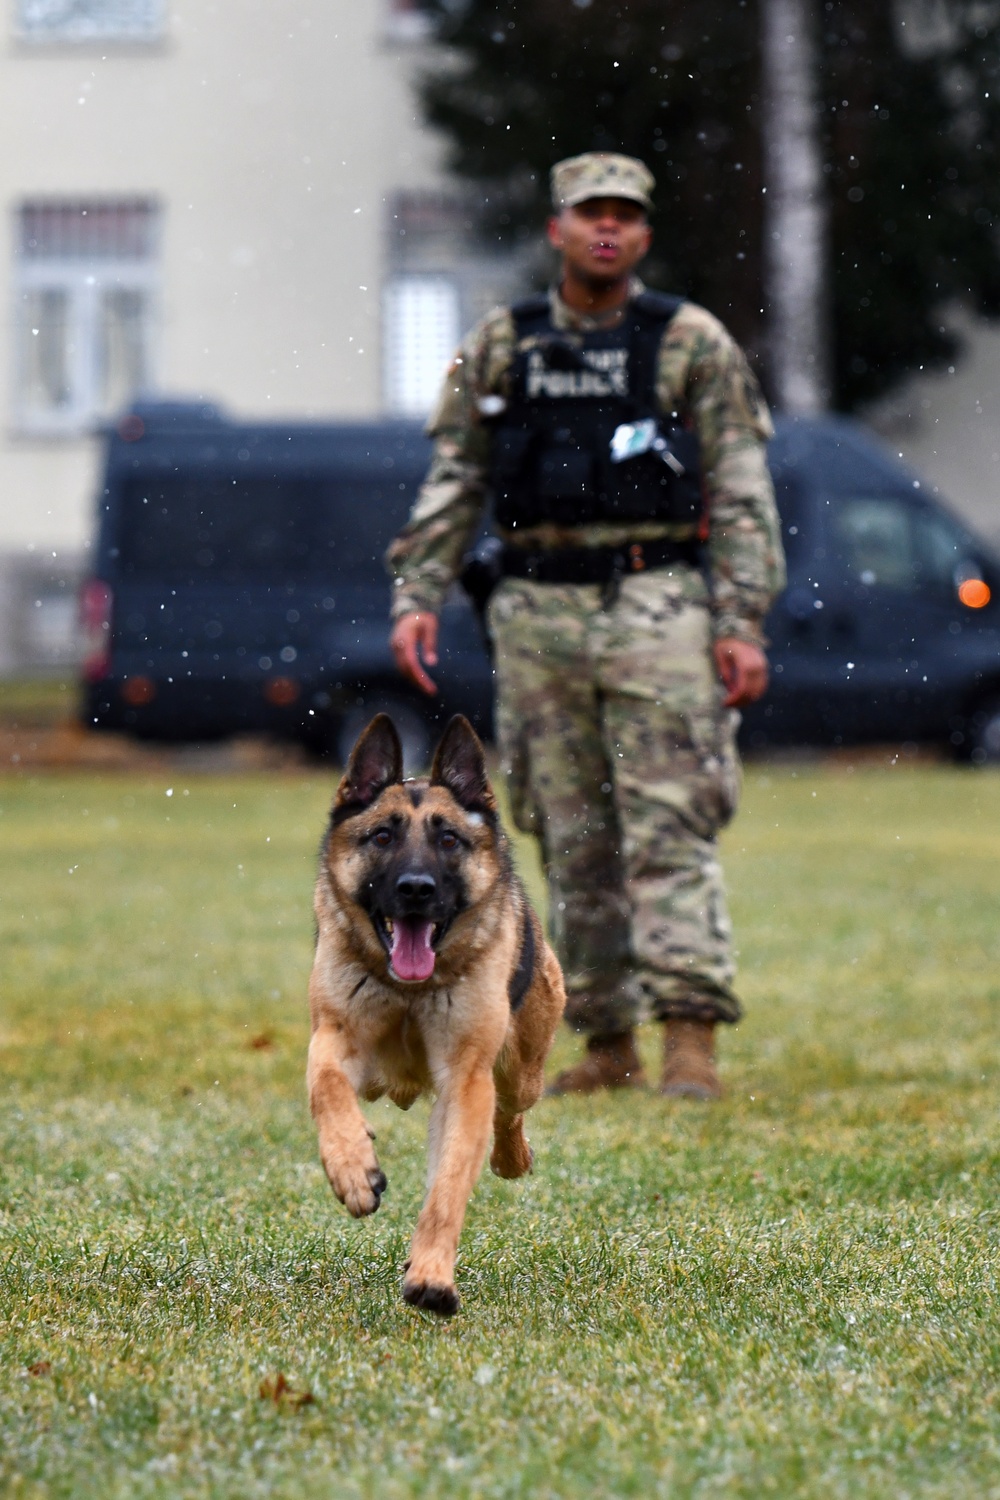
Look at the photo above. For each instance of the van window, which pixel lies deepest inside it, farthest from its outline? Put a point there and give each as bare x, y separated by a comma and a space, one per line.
890, 542
941, 546
272, 528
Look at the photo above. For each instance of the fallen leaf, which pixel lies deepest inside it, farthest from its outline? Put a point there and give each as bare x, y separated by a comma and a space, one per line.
40, 1367
261, 1043
277, 1389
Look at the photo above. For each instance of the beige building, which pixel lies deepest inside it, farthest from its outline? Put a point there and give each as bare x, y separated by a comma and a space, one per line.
946, 424
236, 200
226, 199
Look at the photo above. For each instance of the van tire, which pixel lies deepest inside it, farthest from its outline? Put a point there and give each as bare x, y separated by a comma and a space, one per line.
984, 734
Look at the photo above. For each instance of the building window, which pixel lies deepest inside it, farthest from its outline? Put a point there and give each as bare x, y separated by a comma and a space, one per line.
407, 20
86, 274
90, 20
420, 318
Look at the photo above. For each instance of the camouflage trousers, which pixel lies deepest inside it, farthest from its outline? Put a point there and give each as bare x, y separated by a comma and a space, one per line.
621, 759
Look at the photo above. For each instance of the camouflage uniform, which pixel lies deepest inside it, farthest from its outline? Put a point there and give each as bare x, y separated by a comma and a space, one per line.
619, 753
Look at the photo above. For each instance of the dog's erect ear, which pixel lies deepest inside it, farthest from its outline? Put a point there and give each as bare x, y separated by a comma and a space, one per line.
459, 765
376, 762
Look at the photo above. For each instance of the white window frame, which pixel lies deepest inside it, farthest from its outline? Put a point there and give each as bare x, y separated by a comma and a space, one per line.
411, 379
84, 282
44, 21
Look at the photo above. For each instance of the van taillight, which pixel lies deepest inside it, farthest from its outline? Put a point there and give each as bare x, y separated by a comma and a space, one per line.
95, 618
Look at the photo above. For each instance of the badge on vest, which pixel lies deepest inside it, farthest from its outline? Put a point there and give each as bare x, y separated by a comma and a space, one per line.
632, 439
594, 372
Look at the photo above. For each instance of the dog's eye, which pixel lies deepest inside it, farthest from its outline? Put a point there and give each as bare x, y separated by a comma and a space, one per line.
382, 837
448, 840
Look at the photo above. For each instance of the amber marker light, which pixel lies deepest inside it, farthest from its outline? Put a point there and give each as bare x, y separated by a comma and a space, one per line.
138, 690
281, 691
974, 593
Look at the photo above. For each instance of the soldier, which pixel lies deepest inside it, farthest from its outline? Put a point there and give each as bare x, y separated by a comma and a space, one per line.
622, 437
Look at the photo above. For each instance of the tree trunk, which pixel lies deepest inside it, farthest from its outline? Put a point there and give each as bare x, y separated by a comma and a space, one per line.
794, 216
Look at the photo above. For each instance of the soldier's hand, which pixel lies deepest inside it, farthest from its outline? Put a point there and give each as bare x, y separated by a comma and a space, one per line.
413, 642
742, 669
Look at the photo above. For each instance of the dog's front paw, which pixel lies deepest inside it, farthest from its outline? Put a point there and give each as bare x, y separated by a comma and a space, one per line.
442, 1300
359, 1188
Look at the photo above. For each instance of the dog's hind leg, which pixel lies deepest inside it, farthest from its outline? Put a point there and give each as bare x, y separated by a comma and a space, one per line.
345, 1140
520, 1068
511, 1155
519, 1085
460, 1133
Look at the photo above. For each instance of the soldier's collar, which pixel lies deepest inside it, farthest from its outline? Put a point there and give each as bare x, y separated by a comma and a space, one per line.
564, 316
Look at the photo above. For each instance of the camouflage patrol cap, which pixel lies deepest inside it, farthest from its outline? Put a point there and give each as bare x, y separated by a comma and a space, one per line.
600, 174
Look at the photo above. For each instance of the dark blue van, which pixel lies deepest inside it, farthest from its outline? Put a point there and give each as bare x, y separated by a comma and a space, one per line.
889, 628
239, 586
239, 583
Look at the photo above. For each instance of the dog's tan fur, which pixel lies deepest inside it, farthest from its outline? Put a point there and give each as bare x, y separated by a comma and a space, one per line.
456, 1034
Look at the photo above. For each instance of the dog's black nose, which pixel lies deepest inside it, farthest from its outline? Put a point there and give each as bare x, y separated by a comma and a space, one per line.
416, 887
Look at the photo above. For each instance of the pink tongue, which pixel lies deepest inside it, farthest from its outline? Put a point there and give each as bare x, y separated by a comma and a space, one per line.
412, 956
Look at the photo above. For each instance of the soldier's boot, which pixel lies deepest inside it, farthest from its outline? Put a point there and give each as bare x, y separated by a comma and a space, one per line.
611, 1063
689, 1061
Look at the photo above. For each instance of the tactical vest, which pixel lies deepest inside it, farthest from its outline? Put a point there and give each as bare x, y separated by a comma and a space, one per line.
551, 451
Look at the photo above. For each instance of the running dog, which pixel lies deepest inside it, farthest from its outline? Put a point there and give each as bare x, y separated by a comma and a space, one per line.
431, 975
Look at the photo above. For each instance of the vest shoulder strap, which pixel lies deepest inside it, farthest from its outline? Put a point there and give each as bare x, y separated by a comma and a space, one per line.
655, 312
660, 306
530, 314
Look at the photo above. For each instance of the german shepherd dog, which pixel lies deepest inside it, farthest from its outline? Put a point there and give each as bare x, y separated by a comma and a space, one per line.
431, 974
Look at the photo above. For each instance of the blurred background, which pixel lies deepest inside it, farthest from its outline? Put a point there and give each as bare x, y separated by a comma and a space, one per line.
293, 211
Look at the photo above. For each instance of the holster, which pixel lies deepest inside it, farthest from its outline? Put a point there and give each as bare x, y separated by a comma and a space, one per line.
481, 571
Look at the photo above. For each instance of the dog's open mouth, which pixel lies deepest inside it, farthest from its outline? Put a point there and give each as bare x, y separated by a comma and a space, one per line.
409, 941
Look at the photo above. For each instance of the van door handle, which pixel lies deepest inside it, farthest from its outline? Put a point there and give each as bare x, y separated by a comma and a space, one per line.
843, 626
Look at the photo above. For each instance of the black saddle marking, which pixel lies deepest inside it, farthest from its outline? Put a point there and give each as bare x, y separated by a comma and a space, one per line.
520, 980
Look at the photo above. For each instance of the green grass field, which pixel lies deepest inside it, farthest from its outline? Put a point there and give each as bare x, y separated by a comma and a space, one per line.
792, 1293
36, 702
